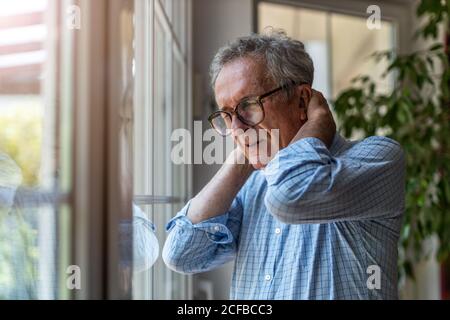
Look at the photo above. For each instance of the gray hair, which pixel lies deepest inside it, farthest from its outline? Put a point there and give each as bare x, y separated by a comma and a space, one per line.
285, 58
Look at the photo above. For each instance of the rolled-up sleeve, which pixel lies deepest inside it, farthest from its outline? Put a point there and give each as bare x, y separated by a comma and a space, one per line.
193, 248
139, 234
309, 184
146, 245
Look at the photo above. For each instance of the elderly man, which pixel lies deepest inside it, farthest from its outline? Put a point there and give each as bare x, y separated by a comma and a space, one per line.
320, 220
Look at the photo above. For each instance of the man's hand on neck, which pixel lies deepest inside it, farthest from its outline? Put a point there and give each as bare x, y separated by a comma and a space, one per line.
320, 123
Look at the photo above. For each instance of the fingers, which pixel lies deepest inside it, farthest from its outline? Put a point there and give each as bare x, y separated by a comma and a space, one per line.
317, 102
318, 111
237, 156
317, 98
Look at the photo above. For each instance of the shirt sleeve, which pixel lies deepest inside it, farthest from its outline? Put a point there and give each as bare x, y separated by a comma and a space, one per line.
146, 245
139, 234
193, 248
307, 184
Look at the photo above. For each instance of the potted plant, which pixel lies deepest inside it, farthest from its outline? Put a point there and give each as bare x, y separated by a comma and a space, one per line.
416, 113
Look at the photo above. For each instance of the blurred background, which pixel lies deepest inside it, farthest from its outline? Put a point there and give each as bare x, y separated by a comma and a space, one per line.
91, 91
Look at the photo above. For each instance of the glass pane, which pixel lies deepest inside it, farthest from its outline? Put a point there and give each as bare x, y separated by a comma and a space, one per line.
166, 283
299, 23
144, 260
167, 6
308, 26
179, 22
178, 281
162, 121
351, 55
337, 57
143, 141
35, 150
138, 243
34, 253
22, 254
161, 274
179, 122
160, 183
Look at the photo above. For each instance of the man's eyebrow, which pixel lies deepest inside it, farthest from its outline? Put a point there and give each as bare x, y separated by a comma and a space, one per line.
225, 108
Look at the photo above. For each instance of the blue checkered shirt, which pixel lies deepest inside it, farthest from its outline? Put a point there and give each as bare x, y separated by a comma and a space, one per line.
317, 223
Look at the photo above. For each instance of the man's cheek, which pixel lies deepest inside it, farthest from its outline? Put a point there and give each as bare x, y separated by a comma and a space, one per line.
242, 148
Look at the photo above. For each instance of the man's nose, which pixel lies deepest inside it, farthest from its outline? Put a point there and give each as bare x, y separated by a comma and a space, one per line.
237, 126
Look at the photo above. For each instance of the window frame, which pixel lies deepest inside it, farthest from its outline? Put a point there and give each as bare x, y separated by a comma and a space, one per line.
148, 194
90, 104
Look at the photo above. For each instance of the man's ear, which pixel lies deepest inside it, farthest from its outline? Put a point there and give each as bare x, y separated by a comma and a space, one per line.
305, 94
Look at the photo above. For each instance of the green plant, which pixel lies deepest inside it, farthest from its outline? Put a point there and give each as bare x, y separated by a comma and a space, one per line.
21, 139
416, 114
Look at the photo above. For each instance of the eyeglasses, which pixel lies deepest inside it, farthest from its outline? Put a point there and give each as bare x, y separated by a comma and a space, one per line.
249, 111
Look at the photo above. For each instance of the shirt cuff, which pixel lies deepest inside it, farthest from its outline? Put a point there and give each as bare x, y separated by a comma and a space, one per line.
215, 228
140, 217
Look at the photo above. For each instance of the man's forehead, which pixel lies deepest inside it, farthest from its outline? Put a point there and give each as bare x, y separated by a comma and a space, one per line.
238, 79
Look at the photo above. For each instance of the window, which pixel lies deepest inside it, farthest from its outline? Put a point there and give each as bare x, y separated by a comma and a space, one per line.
35, 151
162, 105
338, 57
90, 92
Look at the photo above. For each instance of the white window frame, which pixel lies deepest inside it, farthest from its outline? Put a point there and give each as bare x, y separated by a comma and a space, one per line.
148, 13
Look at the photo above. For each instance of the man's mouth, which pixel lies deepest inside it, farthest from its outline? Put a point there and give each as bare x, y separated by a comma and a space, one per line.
257, 143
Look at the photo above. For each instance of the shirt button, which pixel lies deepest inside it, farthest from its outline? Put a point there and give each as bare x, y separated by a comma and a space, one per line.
277, 230
216, 228
267, 277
